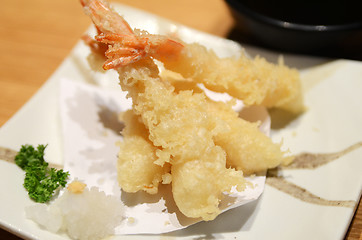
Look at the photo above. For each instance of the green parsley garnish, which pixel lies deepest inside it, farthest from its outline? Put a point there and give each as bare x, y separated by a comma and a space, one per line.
40, 180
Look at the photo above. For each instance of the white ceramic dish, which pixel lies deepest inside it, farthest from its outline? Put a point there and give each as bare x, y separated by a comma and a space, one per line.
332, 123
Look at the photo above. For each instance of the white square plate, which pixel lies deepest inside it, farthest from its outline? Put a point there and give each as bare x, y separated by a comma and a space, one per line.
331, 123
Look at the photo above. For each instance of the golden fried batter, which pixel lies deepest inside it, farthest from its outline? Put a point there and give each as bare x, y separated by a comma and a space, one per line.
255, 81
174, 132
136, 168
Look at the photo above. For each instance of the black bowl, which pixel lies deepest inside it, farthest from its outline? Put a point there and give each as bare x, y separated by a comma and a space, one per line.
300, 25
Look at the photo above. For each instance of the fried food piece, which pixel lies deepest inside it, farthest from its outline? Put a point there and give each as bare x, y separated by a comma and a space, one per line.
178, 126
135, 167
255, 81
198, 185
182, 132
193, 134
247, 148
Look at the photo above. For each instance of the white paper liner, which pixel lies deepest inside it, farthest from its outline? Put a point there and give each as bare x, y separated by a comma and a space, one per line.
91, 129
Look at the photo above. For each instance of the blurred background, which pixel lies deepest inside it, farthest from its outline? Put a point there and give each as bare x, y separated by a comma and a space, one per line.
328, 28
36, 35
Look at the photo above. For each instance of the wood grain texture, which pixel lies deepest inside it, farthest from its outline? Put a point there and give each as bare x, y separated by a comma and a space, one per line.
36, 35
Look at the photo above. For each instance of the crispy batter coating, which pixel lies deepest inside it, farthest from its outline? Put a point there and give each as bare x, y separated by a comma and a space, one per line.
255, 81
200, 138
198, 185
174, 133
247, 148
135, 167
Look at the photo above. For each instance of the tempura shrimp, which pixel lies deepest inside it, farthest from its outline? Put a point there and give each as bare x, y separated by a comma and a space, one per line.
179, 132
255, 81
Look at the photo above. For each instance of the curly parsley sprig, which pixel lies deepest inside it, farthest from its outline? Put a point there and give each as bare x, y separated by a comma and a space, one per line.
40, 180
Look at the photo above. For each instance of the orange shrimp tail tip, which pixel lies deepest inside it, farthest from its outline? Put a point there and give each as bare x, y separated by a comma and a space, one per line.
122, 61
168, 50
105, 18
124, 46
96, 47
83, 3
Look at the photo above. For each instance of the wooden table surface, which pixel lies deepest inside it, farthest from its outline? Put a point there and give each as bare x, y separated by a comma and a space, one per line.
36, 35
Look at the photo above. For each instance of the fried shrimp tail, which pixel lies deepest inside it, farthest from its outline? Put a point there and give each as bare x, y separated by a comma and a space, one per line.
126, 46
